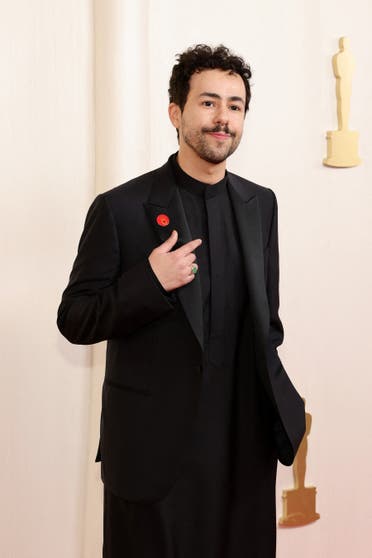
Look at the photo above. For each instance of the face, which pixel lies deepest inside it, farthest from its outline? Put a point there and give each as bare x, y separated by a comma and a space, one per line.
211, 123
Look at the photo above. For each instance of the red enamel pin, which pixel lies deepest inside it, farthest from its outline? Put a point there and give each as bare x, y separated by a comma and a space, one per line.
162, 220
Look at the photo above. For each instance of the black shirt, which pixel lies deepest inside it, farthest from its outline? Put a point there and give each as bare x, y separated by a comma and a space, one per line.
210, 217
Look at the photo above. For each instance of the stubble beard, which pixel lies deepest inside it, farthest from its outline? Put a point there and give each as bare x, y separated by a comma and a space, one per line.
199, 143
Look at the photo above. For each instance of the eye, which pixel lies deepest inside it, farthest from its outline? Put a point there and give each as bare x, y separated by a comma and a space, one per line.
235, 108
208, 103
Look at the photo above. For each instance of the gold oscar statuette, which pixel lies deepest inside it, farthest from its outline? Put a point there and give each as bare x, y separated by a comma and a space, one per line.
299, 503
342, 144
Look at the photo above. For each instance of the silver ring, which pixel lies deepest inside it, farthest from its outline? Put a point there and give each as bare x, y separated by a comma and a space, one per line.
194, 269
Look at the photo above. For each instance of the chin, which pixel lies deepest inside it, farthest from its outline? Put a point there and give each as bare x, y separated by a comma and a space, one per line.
214, 160
216, 157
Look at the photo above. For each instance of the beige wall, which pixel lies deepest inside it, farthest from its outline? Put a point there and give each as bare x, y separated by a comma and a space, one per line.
48, 182
46, 152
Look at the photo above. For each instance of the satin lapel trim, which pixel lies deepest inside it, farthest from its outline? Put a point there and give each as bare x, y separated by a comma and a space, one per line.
248, 221
165, 199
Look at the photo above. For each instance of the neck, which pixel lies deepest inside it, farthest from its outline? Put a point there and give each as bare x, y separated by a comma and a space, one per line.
194, 166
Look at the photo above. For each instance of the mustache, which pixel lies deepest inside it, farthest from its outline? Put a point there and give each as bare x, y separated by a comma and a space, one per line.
217, 129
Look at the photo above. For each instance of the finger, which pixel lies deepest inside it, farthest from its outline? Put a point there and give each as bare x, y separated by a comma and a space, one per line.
169, 243
194, 268
189, 278
190, 258
189, 247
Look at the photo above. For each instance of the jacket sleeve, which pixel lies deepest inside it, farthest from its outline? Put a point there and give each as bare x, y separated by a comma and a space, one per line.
289, 426
101, 302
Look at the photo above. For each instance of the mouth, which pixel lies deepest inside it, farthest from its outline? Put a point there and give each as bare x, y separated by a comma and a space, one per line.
220, 135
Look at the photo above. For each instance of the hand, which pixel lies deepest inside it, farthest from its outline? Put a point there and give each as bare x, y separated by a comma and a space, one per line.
173, 269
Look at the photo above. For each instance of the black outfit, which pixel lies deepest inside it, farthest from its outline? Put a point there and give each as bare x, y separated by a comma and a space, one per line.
193, 520
203, 486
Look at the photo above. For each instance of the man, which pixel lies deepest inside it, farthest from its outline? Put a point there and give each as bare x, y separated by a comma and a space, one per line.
178, 270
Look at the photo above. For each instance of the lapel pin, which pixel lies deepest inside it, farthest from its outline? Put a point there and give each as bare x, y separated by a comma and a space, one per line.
162, 220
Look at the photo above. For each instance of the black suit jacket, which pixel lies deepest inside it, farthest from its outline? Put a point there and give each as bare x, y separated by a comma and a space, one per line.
155, 340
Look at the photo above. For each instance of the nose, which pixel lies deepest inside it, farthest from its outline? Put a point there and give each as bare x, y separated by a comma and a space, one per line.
221, 115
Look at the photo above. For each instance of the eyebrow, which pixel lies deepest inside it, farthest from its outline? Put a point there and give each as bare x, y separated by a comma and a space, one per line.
216, 96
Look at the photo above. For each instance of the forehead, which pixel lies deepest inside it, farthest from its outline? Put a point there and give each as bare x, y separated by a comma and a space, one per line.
221, 82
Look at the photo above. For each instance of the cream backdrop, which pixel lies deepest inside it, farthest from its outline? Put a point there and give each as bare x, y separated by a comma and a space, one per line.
83, 108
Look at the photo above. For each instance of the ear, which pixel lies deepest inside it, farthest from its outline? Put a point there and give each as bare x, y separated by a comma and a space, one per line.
174, 112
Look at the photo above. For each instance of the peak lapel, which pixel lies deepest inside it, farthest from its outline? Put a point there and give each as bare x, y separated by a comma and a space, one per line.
247, 213
165, 200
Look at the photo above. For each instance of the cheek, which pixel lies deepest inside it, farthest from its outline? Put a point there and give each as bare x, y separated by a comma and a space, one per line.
192, 124
239, 126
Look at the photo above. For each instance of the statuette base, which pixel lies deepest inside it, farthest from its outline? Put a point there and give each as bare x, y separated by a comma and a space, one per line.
298, 507
342, 149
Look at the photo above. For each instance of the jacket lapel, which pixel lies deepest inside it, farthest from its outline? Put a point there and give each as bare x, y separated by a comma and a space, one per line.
165, 201
247, 214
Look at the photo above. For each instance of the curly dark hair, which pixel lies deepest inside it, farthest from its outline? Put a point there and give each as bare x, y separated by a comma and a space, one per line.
203, 57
